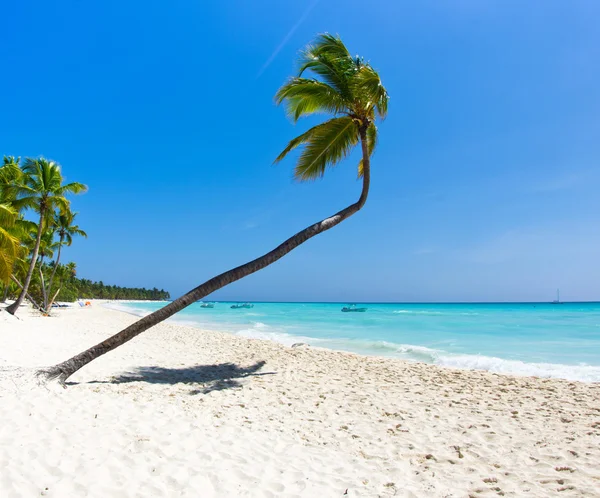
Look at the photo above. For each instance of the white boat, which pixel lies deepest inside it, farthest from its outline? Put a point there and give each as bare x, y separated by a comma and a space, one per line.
351, 308
557, 300
241, 305
207, 305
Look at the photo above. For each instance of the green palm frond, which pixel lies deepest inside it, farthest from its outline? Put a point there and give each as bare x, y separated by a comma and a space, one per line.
329, 58
7, 264
10, 179
296, 142
25, 228
303, 96
326, 144
344, 85
8, 215
72, 188
43, 187
367, 85
11, 160
9, 243
66, 229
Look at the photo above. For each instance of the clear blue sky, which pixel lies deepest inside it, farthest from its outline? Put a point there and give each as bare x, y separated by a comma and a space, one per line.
485, 183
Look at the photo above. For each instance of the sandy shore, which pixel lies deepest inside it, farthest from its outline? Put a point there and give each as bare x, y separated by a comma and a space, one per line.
189, 413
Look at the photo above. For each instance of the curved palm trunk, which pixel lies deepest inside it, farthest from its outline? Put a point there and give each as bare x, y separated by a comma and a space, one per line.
12, 309
64, 370
51, 302
36, 305
42, 282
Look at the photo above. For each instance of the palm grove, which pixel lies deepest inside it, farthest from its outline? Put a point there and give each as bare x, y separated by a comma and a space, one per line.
30, 251
346, 87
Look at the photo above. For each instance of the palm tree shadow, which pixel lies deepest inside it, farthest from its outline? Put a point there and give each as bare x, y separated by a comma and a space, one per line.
213, 377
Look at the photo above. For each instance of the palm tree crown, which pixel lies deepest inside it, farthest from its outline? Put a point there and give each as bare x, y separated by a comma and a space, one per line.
43, 189
350, 89
65, 228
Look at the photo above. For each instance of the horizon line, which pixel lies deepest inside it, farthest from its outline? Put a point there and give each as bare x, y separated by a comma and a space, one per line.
367, 302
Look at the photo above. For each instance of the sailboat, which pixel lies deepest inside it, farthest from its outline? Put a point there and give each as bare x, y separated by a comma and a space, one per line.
557, 300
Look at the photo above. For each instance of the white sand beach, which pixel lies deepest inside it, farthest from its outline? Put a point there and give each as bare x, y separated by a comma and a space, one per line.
184, 412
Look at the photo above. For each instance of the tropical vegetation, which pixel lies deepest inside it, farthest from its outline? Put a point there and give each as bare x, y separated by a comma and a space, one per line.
31, 251
348, 89
40, 188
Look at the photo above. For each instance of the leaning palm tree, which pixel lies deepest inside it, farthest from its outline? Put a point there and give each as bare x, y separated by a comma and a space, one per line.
43, 190
348, 88
66, 230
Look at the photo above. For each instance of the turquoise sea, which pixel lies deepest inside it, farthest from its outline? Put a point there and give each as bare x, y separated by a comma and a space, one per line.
546, 340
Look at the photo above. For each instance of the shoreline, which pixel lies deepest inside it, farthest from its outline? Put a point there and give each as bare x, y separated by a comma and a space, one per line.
578, 372
187, 412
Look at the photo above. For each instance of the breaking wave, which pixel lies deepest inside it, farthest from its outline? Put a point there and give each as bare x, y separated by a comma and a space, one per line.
409, 352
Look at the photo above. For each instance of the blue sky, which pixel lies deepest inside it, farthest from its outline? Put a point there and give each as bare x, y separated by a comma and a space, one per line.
485, 182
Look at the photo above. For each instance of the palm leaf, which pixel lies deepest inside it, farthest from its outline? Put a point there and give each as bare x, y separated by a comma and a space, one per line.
328, 144
299, 140
330, 59
72, 188
305, 96
8, 215
344, 85
367, 86
6, 266
9, 246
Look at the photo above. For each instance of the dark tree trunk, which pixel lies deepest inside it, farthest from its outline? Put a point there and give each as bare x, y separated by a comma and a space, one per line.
64, 370
12, 309
43, 283
49, 289
36, 305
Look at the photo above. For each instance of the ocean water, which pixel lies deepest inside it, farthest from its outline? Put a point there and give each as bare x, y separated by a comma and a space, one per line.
545, 340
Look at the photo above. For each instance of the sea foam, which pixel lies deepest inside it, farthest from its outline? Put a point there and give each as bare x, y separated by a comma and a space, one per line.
521, 331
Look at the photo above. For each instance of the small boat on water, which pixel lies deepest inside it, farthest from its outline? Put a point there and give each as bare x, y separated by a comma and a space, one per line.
557, 300
241, 305
207, 305
353, 308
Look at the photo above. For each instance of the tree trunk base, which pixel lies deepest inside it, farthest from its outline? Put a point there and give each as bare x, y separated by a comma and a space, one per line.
11, 308
53, 374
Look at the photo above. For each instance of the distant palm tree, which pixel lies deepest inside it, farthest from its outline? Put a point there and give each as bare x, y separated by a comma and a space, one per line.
42, 189
351, 90
66, 230
47, 247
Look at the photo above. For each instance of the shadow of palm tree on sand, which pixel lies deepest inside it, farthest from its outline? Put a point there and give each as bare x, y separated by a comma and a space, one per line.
213, 377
